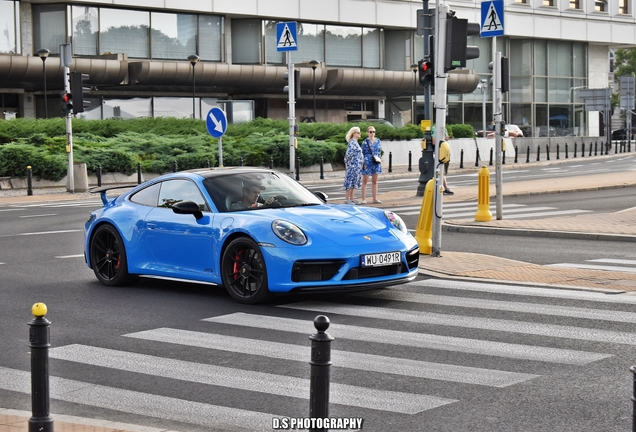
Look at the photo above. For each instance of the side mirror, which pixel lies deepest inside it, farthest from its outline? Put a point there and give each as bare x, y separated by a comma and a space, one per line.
188, 207
322, 196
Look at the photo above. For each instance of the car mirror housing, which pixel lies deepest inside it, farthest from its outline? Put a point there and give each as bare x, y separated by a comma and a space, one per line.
188, 207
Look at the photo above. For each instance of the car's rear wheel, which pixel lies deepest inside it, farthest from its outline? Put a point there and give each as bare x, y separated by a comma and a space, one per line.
243, 271
108, 257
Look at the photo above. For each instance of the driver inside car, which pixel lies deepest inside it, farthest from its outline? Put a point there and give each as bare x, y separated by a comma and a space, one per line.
251, 193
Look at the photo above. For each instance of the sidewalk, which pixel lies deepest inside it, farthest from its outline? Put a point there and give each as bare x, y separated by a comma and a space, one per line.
620, 226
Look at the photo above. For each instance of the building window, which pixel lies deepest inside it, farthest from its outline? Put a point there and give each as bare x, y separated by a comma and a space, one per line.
124, 32
520, 1
548, 3
311, 37
343, 46
85, 21
371, 48
574, 4
49, 27
622, 7
600, 5
246, 41
8, 24
210, 37
172, 36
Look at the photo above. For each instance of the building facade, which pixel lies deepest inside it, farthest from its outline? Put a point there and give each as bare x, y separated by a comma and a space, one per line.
355, 59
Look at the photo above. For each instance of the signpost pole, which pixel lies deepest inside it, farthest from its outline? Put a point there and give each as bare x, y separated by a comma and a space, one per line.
292, 115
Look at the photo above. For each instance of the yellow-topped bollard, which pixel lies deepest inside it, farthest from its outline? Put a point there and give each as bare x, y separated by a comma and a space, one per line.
424, 230
39, 309
483, 196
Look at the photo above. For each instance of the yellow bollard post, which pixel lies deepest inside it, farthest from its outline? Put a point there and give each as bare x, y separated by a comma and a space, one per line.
483, 196
424, 230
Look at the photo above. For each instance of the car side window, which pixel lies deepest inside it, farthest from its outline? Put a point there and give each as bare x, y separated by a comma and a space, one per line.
174, 191
147, 196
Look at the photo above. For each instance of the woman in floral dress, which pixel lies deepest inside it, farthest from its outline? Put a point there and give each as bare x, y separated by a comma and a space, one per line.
353, 165
371, 146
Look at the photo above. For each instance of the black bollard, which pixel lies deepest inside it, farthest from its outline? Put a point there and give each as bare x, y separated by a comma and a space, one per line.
39, 342
477, 157
390, 162
297, 168
616, 148
320, 371
590, 150
566, 150
503, 157
516, 153
271, 162
528, 154
557, 151
138, 172
461, 158
174, 166
547, 151
241, 161
538, 152
322, 168
595, 148
99, 174
29, 181
490, 163
410, 160
582, 149
207, 163
575, 148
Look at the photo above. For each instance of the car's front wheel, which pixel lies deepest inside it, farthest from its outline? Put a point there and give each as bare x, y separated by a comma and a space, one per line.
244, 272
108, 257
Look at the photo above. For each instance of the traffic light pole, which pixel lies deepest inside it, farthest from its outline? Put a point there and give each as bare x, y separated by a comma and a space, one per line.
292, 115
499, 127
70, 181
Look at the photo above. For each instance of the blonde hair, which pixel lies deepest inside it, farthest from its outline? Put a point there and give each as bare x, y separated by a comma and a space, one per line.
351, 132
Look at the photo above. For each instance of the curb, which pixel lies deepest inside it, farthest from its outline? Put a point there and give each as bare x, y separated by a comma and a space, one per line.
452, 227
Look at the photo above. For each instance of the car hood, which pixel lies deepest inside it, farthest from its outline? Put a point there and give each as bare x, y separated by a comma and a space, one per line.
343, 225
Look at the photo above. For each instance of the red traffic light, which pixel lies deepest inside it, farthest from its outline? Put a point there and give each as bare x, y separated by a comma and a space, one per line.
426, 66
66, 97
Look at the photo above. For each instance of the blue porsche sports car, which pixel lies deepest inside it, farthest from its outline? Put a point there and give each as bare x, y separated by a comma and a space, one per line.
255, 231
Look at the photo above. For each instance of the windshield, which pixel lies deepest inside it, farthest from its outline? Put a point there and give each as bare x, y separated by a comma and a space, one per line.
257, 190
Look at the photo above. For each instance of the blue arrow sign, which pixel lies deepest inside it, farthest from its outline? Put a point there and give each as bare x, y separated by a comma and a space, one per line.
286, 37
492, 18
216, 122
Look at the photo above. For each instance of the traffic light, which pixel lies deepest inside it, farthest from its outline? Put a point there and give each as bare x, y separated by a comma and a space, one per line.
457, 49
426, 73
67, 102
502, 76
296, 83
78, 89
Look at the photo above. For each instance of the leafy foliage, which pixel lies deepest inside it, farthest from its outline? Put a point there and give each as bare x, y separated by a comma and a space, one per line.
461, 131
625, 62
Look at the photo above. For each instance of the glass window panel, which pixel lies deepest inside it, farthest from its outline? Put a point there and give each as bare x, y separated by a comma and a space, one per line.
371, 47
560, 120
580, 57
521, 115
128, 108
173, 107
172, 36
560, 58
540, 129
246, 41
85, 30
7, 23
311, 37
520, 89
343, 46
124, 31
540, 58
520, 57
395, 53
540, 90
49, 27
210, 31
272, 55
560, 90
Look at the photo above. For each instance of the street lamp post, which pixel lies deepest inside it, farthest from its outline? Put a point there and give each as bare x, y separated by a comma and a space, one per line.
194, 59
43, 53
483, 85
314, 64
414, 68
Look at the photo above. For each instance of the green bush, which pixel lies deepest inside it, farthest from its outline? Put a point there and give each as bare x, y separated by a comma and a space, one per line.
15, 158
461, 131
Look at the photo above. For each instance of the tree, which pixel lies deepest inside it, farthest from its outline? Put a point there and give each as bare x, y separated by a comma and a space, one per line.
625, 62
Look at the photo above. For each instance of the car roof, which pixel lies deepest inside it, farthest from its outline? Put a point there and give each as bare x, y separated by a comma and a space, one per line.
213, 172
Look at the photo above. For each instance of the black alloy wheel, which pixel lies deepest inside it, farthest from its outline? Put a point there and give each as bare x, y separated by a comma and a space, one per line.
108, 257
244, 273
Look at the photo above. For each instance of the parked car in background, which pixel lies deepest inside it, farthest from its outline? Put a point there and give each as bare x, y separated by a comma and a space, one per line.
514, 131
490, 132
621, 134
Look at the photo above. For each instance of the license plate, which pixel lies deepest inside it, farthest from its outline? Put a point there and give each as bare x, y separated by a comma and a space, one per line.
381, 259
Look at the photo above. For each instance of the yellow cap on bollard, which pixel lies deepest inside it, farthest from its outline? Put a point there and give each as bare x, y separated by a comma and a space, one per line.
39, 310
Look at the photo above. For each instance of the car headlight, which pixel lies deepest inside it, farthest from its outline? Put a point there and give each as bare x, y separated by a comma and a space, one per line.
289, 232
396, 221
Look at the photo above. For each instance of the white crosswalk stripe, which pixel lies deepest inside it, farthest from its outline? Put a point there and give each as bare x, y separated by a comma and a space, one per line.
611, 265
402, 333
467, 210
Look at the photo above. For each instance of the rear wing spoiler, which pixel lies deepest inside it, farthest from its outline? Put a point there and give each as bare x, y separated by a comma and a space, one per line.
103, 189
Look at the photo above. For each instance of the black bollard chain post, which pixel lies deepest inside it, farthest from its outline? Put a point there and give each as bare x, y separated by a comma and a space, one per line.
138, 172
410, 161
582, 149
547, 151
538, 152
503, 157
595, 148
99, 174
320, 371
207, 163
322, 168
174, 166
477, 157
566, 150
271, 162
297, 168
528, 154
490, 162
29, 181
39, 342
241, 161
461, 158
590, 149
516, 154
390, 162
557, 151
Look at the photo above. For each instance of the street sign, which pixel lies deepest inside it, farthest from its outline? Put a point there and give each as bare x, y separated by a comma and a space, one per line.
627, 92
492, 18
216, 122
286, 36
596, 99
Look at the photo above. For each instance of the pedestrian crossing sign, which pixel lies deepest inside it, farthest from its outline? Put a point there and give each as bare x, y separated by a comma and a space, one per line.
492, 18
286, 37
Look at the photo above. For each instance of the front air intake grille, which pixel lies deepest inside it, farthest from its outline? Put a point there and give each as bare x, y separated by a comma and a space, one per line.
413, 258
308, 271
372, 272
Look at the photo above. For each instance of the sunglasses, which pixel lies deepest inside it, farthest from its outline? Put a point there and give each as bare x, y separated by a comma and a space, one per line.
370, 131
